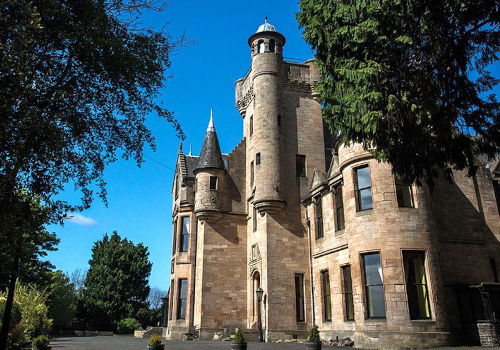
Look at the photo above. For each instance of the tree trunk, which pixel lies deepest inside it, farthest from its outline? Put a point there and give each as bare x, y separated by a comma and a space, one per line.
10, 300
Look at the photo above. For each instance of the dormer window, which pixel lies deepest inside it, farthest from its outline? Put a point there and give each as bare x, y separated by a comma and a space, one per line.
213, 183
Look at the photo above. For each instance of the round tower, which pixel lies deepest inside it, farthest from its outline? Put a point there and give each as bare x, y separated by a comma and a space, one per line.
264, 137
209, 177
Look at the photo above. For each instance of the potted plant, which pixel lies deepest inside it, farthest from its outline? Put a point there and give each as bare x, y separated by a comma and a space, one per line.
155, 343
313, 340
239, 342
41, 343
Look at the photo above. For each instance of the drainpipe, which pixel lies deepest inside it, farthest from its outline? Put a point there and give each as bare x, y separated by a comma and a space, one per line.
193, 290
308, 223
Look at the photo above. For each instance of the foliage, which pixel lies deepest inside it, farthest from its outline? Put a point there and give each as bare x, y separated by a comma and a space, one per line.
238, 336
409, 79
148, 317
155, 340
62, 300
154, 297
117, 282
314, 334
34, 320
127, 325
16, 312
77, 278
41, 342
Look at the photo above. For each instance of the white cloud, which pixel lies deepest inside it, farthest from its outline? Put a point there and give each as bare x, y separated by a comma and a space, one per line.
79, 219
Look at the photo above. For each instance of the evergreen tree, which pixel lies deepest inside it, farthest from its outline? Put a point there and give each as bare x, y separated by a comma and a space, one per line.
409, 78
116, 286
61, 301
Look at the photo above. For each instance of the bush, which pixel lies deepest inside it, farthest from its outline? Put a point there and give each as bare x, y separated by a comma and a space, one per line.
238, 336
127, 325
41, 342
314, 334
155, 340
15, 316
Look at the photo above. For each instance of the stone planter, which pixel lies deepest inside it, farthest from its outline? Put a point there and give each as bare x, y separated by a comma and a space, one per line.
239, 346
313, 345
156, 347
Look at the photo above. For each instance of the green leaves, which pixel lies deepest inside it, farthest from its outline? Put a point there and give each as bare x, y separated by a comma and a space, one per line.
116, 286
396, 75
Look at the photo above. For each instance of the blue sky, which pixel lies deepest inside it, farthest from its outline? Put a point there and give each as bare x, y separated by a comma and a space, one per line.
203, 77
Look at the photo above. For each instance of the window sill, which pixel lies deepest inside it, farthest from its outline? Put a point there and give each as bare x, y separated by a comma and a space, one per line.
364, 212
423, 320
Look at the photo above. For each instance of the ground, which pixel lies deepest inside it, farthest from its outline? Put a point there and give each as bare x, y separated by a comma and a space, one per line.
131, 343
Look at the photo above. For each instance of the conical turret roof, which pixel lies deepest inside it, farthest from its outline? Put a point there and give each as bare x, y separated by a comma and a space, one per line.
210, 155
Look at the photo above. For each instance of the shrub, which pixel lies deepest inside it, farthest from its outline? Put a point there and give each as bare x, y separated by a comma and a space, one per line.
41, 342
238, 336
15, 316
314, 334
155, 340
127, 325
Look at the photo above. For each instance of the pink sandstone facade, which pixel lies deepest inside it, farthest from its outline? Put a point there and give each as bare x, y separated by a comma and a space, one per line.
336, 242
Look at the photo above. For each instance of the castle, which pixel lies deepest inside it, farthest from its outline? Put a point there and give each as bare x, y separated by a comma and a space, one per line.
326, 231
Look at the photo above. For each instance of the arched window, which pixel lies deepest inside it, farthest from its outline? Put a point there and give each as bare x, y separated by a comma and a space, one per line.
262, 46
271, 45
256, 284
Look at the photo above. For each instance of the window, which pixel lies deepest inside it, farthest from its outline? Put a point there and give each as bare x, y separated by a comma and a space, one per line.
327, 302
257, 159
174, 235
251, 125
496, 189
339, 209
347, 292
300, 165
279, 120
299, 298
374, 287
319, 218
494, 269
363, 189
254, 219
184, 244
416, 285
170, 299
213, 183
262, 46
181, 299
404, 193
271, 45
252, 171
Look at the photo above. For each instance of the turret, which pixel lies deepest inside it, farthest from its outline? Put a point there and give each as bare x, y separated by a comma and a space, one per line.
265, 123
209, 177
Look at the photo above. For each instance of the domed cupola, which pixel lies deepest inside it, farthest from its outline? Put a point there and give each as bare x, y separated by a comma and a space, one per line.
266, 40
266, 27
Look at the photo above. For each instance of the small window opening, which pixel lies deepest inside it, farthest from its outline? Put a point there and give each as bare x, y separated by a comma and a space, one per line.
251, 125
279, 120
300, 165
257, 159
404, 193
271, 45
252, 172
213, 183
262, 46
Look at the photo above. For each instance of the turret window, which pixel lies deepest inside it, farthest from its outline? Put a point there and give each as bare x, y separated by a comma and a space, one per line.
262, 46
271, 45
404, 193
416, 285
257, 159
363, 189
374, 286
300, 165
251, 125
213, 183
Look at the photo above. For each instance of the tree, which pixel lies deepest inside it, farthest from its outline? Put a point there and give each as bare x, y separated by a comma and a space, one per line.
117, 282
78, 79
77, 278
62, 300
154, 298
409, 79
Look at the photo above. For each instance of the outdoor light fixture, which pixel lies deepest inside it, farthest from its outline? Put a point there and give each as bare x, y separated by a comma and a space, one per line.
259, 293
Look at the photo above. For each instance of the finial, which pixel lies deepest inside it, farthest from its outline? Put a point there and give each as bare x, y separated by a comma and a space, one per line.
265, 19
180, 146
190, 150
211, 126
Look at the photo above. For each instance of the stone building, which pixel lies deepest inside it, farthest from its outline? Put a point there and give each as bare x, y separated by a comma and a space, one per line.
329, 234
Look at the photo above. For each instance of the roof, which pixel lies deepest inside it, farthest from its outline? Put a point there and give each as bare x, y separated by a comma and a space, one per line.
210, 155
266, 27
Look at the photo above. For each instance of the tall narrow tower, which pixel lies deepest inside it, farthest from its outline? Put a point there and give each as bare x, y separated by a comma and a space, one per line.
264, 124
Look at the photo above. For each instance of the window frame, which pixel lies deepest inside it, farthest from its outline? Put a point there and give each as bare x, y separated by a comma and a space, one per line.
422, 254
300, 311
358, 190
252, 173
339, 209
367, 286
251, 125
347, 294
318, 215
302, 173
216, 187
184, 237
401, 186
326, 296
180, 300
